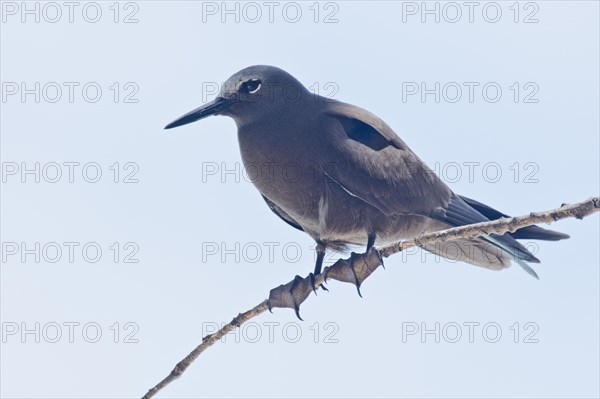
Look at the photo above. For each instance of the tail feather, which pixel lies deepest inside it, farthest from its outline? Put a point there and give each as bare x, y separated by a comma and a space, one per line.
515, 256
474, 251
462, 211
530, 232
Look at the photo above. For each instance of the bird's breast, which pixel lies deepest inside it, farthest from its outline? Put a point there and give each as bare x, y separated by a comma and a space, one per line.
280, 169
287, 170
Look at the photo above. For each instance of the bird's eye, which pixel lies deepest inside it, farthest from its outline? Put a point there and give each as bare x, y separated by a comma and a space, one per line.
251, 86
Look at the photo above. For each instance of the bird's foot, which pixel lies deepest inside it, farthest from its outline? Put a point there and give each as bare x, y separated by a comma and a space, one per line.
353, 270
292, 294
356, 269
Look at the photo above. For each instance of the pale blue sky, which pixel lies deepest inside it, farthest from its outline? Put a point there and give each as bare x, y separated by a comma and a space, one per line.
180, 221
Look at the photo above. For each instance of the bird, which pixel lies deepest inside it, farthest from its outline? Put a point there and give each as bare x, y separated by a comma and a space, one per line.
341, 174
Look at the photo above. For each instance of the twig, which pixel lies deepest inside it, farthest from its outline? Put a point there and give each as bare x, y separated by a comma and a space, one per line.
206, 342
499, 226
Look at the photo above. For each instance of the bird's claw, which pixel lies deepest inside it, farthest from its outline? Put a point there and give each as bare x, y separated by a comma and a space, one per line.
354, 270
311, 276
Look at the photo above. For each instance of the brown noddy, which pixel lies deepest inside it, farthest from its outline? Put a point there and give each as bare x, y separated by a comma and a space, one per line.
341, 174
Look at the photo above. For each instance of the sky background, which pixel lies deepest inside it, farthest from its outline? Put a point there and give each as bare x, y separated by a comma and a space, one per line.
101, 325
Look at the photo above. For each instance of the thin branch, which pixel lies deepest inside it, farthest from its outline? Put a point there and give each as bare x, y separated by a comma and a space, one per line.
499, 226
207, 341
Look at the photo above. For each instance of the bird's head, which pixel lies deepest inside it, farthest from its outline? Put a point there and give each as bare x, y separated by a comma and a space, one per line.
249, 95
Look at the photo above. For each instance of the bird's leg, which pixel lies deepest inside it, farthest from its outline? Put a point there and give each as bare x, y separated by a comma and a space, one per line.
320, 256
370, 241
319, 264
371, 237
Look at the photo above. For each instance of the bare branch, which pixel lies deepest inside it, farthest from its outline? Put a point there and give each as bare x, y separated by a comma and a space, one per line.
500, 226
207, 341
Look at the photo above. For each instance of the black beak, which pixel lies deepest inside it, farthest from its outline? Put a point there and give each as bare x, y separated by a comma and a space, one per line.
208, 109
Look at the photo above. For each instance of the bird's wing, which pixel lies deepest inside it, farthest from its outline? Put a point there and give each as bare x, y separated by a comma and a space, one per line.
368, 160
371, 162
281, 213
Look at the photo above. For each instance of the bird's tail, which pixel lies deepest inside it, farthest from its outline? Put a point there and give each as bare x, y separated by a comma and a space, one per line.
493, 251
530, 232
489, 252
